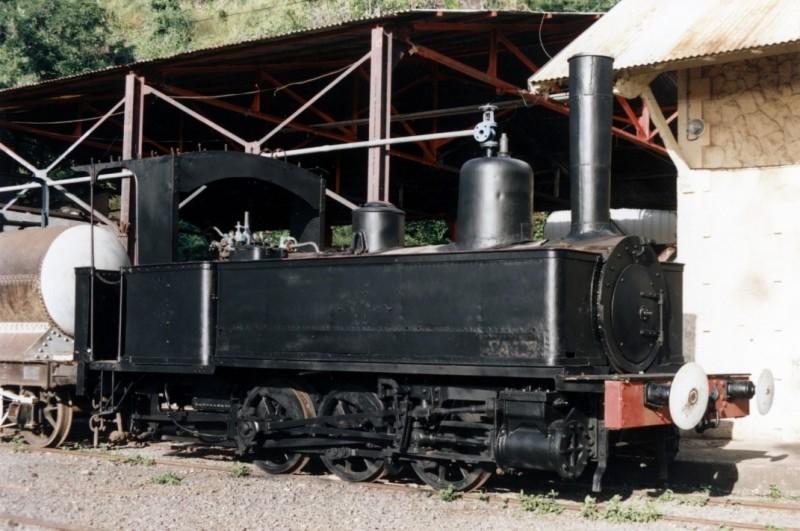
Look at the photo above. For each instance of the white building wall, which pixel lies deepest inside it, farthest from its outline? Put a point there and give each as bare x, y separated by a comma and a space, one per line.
739, 228
739, 236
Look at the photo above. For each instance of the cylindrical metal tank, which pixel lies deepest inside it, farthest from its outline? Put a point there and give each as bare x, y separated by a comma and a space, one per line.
657, 226
378, 227
37, 271
495, 202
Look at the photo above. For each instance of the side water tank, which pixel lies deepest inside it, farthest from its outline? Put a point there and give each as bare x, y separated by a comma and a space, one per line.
378, 227
37, 271
495, 202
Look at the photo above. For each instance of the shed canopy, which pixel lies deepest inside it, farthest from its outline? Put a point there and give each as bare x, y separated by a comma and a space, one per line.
654, 35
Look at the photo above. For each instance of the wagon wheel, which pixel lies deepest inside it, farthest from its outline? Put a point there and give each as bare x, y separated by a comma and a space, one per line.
279, 401
46, 422
445, 474
338, 460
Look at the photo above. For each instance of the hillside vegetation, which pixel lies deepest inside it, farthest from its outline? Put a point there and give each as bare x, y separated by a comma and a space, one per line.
42, 39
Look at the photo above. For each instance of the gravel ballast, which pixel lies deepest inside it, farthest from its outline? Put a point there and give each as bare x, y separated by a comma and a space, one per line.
80, 492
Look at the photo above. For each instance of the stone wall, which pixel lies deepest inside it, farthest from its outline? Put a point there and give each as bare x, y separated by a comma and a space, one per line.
751, 111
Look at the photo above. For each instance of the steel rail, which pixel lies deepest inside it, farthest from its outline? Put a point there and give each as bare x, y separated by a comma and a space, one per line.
13, 519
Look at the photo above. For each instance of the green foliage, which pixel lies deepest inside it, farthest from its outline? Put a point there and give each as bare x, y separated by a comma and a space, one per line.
619, 513
192, 243
139, 460
271, 237
667, 496
168, 479
40, 39
342, 236
240, 470
170, 30
422, 232
589, 508
426, 232
700, 500
775, 492
449, 494
18, 445
570, 5
541, 503
538, 220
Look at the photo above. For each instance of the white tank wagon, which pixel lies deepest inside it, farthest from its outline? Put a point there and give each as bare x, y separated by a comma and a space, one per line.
657, 226
37, 324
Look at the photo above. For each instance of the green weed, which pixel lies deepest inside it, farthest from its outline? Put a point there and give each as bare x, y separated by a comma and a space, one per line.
167, 479
618, 513
541, 503
589, 509
18, 445
139, 460
449, 494
240, 471
701, 500
666, 496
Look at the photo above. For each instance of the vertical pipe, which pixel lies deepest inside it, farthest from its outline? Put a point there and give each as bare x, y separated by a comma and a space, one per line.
591, 101
45, 205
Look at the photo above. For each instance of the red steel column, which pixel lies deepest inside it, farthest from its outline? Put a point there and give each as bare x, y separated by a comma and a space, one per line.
131, 149
380, 86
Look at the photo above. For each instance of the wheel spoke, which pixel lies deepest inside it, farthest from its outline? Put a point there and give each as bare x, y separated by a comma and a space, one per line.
278, 400
351, 402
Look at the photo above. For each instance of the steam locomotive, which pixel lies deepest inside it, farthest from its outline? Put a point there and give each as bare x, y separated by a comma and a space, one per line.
490, 353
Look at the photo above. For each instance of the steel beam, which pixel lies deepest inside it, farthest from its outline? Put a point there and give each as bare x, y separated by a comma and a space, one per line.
301, 100
264, 117
380, 68
510, 88
197, 116
63, 137
516, 52
132, 134
259, 143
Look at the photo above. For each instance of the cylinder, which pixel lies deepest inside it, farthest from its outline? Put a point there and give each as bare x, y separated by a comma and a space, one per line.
495, 202
591, 81
563, 448
378, 227
37, 271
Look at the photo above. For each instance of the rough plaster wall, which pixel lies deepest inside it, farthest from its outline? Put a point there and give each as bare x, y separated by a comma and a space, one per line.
751, 110
739, 236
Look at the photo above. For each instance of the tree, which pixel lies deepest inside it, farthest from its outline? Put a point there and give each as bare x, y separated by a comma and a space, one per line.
41, 39
171, 30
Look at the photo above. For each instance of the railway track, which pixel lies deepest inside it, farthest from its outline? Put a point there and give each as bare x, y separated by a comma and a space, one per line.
490, 499
13, 521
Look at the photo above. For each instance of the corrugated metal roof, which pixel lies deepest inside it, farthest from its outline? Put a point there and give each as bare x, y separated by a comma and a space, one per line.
646, 33
198, 51
391, 17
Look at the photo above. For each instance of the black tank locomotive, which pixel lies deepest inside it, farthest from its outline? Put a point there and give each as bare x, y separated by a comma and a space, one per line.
493, 352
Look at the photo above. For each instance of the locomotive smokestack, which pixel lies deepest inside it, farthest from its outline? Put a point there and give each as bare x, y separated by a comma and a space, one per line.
591, 81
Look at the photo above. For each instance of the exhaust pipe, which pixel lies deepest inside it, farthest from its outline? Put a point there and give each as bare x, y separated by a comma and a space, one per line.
591, 81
